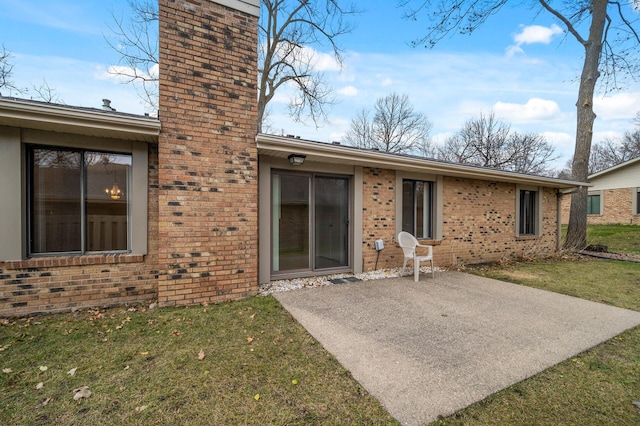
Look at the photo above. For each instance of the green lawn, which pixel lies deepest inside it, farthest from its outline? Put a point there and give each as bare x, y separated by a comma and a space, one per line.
250, 362
619, 238
143, 367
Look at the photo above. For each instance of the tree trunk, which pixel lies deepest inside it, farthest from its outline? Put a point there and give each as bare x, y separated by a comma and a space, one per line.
577, 230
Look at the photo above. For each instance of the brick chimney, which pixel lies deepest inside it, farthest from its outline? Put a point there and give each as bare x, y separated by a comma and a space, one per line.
207, 156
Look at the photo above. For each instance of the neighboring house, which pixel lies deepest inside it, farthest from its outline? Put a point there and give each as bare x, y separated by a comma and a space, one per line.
102, 208
614, 197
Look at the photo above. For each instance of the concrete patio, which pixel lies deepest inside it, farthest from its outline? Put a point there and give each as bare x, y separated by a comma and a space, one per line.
431, 348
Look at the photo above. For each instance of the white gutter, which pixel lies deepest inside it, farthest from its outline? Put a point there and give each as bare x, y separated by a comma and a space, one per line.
85, 121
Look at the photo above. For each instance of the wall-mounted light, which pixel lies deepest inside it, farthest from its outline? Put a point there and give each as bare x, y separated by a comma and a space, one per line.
296, 159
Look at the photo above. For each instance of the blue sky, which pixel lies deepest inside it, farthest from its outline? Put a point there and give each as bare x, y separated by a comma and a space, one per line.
519, 64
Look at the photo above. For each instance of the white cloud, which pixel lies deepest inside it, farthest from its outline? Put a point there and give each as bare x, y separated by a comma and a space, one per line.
348, 91
537, 34
533, 34
535, 109
320, 61
621, 106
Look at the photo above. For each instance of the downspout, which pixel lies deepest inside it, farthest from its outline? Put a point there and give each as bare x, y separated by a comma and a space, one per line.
559, 195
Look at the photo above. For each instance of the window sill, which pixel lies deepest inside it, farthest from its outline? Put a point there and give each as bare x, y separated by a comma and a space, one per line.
430, 242
81, 260
527, 237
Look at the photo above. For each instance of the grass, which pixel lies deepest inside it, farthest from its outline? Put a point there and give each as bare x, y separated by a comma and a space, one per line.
619, 238
143, 368
261, 367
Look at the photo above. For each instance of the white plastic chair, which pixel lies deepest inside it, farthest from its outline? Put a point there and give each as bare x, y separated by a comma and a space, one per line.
408, 243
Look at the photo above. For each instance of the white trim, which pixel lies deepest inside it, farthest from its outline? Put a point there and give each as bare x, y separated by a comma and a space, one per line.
251, 7
614, 168
83, 121
281, 147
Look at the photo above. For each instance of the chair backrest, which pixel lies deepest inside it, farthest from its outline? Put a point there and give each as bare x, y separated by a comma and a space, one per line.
408, 243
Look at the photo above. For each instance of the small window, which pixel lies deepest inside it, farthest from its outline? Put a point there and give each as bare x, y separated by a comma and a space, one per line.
417, 208
637, 200
78, 201
527, 217
593, 204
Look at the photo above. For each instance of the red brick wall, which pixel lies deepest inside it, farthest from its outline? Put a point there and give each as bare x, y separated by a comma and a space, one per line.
378, 218
618, 208
479, 222
208, 190
61, 283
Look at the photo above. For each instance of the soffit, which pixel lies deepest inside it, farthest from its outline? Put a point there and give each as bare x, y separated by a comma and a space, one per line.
281, 147
81, 121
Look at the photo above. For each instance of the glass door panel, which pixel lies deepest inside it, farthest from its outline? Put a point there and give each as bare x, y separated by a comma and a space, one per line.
291, 221
331, 214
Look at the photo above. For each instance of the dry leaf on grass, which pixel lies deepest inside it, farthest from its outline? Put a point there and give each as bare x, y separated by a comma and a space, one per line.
72, 372
7, 370
39, 386
249, 339
46, 401
43, 368
201, 354
81, 392
141, 408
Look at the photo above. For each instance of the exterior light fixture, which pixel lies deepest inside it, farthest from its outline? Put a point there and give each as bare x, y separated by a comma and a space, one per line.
296, 159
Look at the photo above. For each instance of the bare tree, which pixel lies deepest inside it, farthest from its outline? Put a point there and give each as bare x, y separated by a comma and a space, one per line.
6, 72
611, 152
489, 142
47, 93
289, 30
610, 49
137, 44
395, 127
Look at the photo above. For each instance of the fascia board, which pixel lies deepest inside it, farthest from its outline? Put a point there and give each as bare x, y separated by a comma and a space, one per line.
614, 168
318, 151
60, 118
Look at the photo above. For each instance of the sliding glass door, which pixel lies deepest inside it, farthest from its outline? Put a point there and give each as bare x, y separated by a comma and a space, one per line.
310, 222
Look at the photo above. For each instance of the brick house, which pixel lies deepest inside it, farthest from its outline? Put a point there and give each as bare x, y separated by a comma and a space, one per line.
101, 207
614, 197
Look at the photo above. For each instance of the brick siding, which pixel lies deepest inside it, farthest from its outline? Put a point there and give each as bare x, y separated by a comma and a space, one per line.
479, 222
208, 190
61, 283
618, 208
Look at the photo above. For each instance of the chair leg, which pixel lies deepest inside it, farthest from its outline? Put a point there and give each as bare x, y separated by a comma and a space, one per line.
416, 270
433, 271
404, 265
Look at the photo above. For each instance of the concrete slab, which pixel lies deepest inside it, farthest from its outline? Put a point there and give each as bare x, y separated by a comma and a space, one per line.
433, 347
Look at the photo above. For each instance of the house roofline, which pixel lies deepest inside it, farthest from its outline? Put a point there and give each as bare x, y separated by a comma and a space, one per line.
77, 120
280, 146
614, 168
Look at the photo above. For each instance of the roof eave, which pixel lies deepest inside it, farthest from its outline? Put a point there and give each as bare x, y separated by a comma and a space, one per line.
60, 118
323, 152
614, 168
